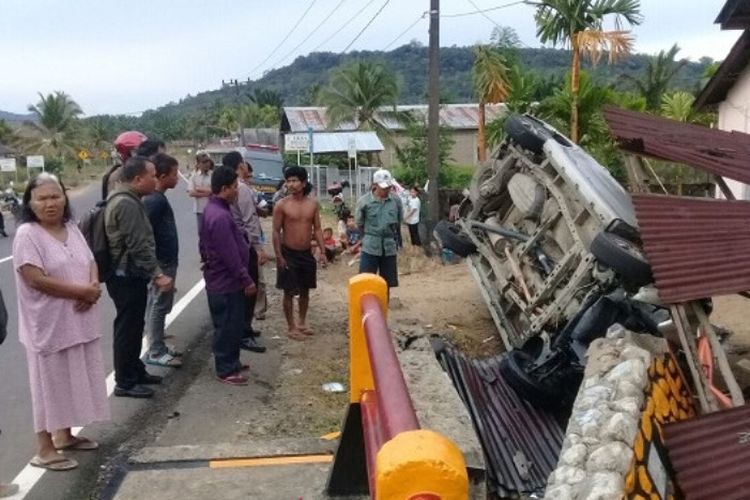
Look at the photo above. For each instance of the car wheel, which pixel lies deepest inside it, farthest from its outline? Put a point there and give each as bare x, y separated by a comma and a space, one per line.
622, 256
527, 132
513, 368
452, 238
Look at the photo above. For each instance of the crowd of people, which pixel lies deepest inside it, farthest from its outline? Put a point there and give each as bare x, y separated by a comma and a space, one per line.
58, 282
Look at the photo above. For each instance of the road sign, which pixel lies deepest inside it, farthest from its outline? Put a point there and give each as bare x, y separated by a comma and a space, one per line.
7, 164
83, 154
35, 161
352, 147
297, 142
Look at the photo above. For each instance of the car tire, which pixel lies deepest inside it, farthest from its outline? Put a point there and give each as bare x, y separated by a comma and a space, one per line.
527, 132
622, 256
513, 369
452, 238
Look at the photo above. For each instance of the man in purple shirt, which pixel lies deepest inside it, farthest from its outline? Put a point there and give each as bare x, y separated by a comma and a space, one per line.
224, 254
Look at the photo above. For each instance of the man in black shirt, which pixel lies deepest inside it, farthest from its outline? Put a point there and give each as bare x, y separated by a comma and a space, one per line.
161, 216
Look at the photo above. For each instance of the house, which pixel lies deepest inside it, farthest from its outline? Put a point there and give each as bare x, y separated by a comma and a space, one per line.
728, 91
462, 120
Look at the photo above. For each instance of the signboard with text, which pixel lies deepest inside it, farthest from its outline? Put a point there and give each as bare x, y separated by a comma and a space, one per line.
35, 161
297, 142
7, 164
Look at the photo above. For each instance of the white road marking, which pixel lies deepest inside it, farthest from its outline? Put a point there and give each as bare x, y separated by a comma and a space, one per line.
6, 259
30, 475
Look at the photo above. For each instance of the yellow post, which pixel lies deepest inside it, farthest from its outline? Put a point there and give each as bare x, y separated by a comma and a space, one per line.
360, 372
421, 462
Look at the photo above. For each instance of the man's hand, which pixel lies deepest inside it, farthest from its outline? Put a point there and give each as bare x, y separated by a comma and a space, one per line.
262, 257
250, 290
281, 262
164, 283
322, 259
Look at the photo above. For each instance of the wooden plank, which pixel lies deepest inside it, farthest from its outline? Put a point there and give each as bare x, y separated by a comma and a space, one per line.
691, 354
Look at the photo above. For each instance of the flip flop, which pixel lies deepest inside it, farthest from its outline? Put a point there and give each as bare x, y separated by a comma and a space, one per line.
80, 444
305, 330
61, 463
296, 335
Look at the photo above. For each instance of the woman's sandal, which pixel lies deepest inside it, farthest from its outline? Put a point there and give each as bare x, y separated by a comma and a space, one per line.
61, 463
79, 444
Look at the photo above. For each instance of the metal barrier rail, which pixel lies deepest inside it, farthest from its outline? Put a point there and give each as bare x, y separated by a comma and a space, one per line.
382, 450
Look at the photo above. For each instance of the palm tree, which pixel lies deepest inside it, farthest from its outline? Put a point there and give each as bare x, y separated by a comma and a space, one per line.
656, 78
265, 97
580, 25
55, 127
491, 85
357, 92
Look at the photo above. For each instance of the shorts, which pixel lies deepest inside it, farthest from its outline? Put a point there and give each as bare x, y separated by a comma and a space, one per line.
301, 271
384, 265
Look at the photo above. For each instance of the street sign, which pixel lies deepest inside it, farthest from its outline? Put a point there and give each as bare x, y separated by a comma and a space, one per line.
35, 161
297, 142
352, 147
7, 164
83, 154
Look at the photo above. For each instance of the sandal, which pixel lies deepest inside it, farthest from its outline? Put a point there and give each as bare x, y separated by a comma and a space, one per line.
79, 444
165, 359
305, 330
296, 335
61, 463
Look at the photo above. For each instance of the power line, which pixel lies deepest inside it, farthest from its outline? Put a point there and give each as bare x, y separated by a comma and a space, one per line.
424, 14
285, 38
314, 30
342, 27
482, 11
366, 26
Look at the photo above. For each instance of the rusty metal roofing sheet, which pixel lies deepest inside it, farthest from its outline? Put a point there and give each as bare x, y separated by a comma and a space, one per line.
697, 247
521, 443
715, 151
711, 454
453, 116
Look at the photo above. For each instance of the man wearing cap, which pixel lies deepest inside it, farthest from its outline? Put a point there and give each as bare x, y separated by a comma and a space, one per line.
378, 215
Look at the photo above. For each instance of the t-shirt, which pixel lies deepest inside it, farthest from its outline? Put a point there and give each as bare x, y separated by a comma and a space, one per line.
48, 324
199, 180
353, 236
414, 205
161, 216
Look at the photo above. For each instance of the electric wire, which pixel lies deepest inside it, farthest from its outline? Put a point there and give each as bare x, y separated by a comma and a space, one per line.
271, 54
343, 26
424, 14
482, 11
366, 26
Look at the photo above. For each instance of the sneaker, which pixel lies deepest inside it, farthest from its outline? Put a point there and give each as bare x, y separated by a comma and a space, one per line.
137, 391
250, 344
233, 379
166, 360
148, 379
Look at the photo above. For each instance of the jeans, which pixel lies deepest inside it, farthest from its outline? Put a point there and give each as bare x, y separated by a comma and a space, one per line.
158, 306
228, 314
129, 296
252, 269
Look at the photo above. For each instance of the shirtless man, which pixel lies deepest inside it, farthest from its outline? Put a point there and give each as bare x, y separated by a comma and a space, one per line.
295, 218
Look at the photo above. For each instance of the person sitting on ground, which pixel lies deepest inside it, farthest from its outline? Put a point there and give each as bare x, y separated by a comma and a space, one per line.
331, 245
353, 236
295, 217
58, 323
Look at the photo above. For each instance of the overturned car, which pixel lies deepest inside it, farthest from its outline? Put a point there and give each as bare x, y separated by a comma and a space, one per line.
549, 234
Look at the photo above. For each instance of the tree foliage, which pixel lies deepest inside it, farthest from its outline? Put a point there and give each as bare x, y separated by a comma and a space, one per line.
657, 76
55, 130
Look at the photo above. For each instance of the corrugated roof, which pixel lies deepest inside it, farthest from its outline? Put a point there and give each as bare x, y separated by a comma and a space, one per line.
715, 151
697, 247
453, 116
711, 454
726, 76
521, 442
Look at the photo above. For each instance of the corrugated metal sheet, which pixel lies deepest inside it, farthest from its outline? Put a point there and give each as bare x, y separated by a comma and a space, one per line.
715, 151
453, 116
711, 454
697, 247
521, 442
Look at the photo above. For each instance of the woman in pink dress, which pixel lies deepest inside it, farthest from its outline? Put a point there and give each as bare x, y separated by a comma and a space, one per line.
58, 323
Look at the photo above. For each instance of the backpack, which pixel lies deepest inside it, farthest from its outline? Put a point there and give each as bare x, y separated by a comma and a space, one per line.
92, 226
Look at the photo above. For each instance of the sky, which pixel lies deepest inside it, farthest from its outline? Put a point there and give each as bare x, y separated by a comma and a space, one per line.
117, 57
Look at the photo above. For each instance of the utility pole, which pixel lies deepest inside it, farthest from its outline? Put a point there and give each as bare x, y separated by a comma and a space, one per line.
433, 119
236, 85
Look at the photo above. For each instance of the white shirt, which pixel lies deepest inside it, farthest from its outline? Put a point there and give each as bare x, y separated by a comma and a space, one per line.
199, 180
412, 212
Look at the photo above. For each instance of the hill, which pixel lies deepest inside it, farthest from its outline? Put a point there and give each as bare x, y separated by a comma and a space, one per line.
296, 82
14, 118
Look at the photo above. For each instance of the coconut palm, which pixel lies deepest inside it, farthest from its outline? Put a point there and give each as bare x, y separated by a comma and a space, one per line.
490, 74
655, 79
579, 24
55, 127
357, 92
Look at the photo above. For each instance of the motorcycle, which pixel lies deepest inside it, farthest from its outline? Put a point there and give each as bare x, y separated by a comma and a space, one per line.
11, 202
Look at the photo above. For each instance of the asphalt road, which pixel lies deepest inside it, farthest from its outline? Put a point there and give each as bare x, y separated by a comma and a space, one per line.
17, 442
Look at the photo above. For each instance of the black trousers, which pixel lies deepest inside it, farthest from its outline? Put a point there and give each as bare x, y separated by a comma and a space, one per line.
129, 296
414, 234
252, 269
227, 312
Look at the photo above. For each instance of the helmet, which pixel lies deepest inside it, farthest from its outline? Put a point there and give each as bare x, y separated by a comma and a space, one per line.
127, 142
